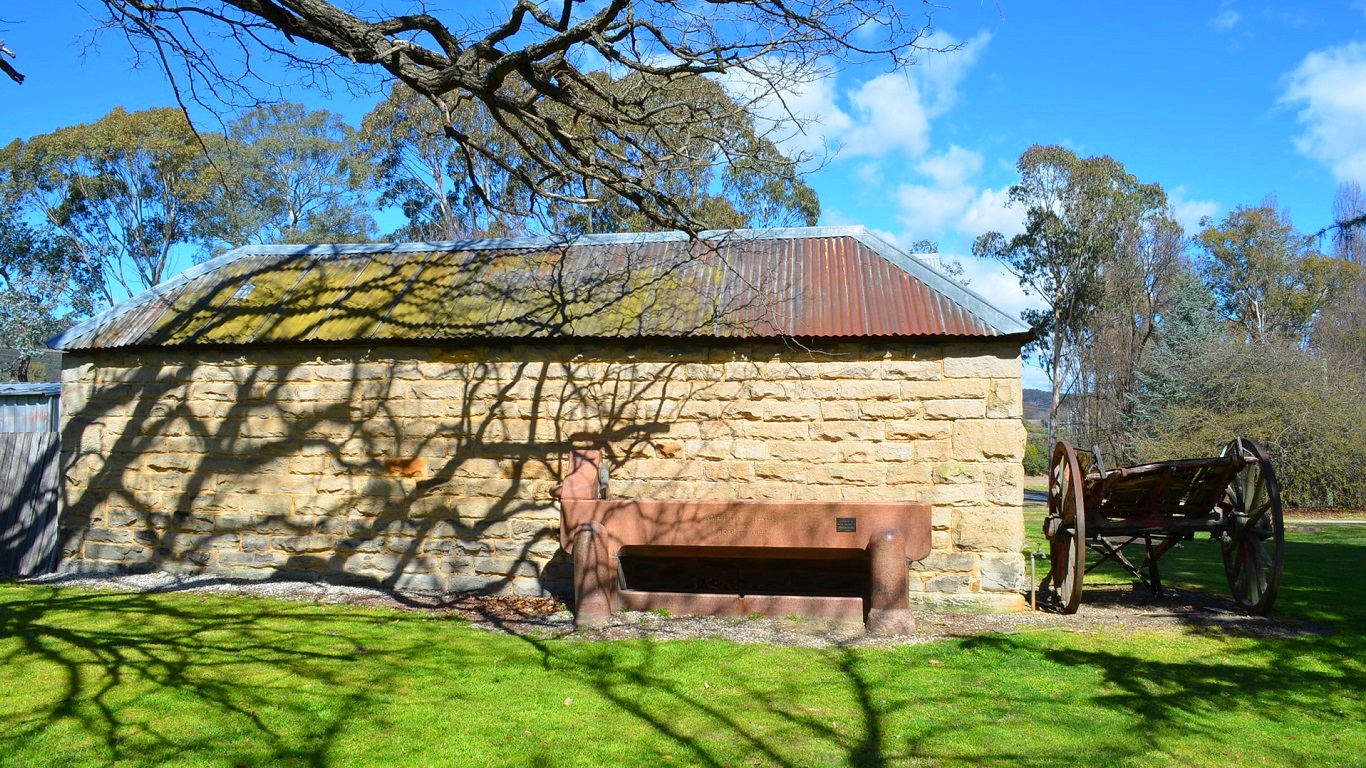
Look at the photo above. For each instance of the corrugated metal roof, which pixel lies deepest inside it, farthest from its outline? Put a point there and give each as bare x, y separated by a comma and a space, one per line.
815, 282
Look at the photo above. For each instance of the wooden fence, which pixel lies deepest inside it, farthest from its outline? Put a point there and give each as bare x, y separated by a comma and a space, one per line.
30, 449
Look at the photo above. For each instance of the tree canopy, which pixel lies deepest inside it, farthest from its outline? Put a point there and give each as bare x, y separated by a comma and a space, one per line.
533, 80
127, 198
1267, 277
43, 285
1349, 223
1080, 214
122, 192
448, 192
97, 212
286, 174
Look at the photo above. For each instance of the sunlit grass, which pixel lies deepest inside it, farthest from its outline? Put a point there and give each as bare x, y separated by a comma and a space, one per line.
97, 678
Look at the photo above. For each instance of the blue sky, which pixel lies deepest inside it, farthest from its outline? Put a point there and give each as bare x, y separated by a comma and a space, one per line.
1222, 103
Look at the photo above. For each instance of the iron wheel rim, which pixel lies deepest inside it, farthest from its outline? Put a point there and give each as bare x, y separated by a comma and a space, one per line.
1253, 542
1067, 548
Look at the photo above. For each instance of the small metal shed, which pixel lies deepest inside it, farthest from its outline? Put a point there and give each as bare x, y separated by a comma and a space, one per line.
30, 421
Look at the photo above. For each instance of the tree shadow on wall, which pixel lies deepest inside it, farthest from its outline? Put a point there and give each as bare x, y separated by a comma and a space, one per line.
263, 440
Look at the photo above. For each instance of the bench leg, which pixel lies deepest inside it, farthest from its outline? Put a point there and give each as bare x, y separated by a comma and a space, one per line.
595, 578
890, 610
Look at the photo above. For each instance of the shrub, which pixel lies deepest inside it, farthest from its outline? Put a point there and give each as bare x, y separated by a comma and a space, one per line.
1037, 451
1310, 415
1035, 459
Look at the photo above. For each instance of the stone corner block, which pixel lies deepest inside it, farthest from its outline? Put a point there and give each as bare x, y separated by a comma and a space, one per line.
988, 439
1003, 365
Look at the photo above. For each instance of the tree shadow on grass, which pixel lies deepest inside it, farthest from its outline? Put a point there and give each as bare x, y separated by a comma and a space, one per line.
1167, 700
133, 673
192, 659
1265, 674
294, 686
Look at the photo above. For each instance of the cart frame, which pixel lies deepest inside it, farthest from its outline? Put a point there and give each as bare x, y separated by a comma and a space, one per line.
1234, 497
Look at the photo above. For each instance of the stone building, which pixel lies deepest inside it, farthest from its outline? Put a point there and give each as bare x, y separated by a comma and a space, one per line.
398, 415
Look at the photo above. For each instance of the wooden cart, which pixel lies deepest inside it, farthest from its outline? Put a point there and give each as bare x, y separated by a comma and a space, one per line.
1234, 497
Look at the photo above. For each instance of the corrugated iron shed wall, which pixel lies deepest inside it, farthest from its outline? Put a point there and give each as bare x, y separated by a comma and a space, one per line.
835, 285
30, 445
30, 407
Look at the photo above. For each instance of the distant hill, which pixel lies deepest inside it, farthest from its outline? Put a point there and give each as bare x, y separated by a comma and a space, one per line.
1036, 403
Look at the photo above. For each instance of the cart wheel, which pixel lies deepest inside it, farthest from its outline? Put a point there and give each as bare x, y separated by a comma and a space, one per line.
1066, 527
1253, 544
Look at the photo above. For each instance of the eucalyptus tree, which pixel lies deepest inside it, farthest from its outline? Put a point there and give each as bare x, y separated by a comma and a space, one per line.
286, 174
534, 74
1080, 215
1268, 278
446, 191
43, 287
1349, 223
747, 182
122, 192
1340, 329
1189, 328
1137, 291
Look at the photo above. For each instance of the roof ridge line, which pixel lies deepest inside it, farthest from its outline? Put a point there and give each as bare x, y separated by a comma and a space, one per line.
534, 242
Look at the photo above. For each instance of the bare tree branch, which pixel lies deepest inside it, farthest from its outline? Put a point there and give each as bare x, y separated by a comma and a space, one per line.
5, 67
543, 74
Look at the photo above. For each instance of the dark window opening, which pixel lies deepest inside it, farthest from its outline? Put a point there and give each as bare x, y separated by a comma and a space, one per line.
746, 571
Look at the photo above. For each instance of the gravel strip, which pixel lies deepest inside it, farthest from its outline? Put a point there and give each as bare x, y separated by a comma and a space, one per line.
1104, 609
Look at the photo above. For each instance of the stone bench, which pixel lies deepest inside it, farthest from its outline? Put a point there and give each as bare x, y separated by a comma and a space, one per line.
876, 538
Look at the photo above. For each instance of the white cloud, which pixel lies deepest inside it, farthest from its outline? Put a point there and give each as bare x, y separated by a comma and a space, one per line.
870, 174
930, 209
802, 117
1331, 86
819, 118
940, 74
955, 166
950, 200
1190, 212
1226, 20
889, 237
993, 282
889, 113
990, 212
892, 112
888, 116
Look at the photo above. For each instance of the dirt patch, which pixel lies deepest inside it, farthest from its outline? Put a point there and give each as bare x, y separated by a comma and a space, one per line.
1104, 609
1128, 609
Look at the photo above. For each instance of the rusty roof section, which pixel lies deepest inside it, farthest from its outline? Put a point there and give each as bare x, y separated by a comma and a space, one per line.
819, 282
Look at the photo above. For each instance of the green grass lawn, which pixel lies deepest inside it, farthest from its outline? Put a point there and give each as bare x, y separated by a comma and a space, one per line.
97, 678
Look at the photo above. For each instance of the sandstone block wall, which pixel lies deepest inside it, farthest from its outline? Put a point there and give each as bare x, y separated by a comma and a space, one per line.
429, 467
